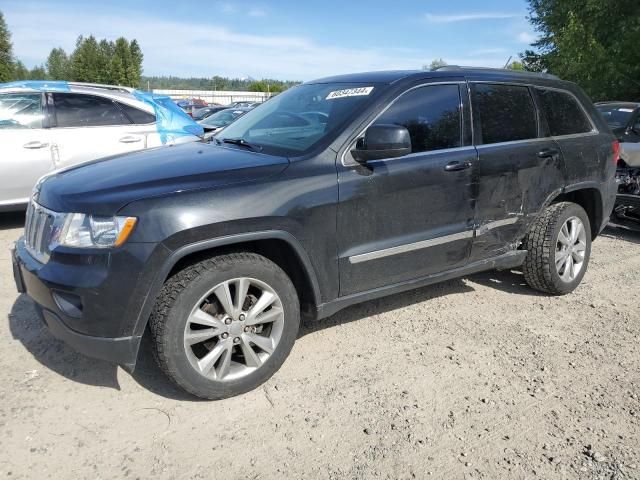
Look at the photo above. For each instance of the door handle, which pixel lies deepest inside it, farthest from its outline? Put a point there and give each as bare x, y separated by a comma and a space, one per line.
130, 139
35, 145
456, 166
548, 153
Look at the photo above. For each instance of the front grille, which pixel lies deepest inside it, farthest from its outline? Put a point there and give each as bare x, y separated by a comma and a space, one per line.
37, 231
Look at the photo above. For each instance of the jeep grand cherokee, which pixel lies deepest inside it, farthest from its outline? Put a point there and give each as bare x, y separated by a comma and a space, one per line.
335, 192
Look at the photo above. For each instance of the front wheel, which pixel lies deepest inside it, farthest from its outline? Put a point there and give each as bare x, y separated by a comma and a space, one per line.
559, 247
225, 325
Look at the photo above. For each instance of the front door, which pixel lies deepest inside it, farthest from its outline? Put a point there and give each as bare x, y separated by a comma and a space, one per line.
404, 218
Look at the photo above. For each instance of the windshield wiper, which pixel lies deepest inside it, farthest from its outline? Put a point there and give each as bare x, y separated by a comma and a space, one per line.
243, 143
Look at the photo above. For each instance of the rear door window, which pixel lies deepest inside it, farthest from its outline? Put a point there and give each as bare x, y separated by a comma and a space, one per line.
432, 116
79, 110
564, 114
503, 113
21, 110
137, 116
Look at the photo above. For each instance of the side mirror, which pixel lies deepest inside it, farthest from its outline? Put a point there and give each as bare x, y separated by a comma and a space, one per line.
382, 141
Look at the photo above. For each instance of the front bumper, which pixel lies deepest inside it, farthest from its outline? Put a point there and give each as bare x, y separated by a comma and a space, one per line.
109, 295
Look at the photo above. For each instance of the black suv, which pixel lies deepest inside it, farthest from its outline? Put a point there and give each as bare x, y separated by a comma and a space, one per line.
335, 192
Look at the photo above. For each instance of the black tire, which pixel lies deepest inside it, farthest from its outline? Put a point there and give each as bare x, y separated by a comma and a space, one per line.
178, 297
539, 267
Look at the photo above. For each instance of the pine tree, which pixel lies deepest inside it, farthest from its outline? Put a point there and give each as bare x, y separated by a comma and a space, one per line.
135, 70
85, 61
123, 53
58, 67
6, 52
20, 72
38, 73
117, 73
104, 59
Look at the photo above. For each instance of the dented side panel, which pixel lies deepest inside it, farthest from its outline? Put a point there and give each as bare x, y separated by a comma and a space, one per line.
514, 183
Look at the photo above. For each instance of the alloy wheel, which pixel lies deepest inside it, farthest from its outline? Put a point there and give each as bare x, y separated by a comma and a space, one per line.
233, 329
571, 247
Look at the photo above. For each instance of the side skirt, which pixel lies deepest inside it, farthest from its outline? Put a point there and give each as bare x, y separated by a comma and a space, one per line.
508, 260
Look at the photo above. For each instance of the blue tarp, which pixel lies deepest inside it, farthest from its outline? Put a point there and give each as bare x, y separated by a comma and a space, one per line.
51, 86
171, 121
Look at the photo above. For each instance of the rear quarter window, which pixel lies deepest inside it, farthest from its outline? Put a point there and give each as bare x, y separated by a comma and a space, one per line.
137, 116
503, 113
563, 113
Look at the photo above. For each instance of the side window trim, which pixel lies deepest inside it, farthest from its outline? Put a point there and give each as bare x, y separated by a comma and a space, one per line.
351, 144
594, 130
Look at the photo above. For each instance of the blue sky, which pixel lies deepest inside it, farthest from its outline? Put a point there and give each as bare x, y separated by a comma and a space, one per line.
286, 39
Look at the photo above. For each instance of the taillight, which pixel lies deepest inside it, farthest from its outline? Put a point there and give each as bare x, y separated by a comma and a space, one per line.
616, 152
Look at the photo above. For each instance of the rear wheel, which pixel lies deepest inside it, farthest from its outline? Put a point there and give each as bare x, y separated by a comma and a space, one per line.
223, 326
559, 247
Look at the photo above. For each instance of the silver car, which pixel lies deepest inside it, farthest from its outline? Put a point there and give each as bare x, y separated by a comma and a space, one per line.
45, 126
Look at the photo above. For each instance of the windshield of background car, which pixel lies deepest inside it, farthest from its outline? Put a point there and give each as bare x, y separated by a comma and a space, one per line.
222, 118
615, 115
21, 110
296, 121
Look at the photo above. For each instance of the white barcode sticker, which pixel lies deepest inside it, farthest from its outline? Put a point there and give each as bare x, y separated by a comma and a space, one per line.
349, 92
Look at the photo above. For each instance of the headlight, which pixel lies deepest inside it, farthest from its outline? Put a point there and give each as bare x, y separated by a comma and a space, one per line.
89, 231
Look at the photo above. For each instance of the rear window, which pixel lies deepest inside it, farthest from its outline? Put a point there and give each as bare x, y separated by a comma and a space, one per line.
564, 114
137, 116
79, 110
504, 113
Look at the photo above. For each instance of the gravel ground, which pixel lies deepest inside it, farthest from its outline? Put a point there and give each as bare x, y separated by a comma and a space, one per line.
478, 377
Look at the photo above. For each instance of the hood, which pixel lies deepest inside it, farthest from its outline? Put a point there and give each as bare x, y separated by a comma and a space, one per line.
105, 186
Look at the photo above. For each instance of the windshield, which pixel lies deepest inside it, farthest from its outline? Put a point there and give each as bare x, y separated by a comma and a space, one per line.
294, 122
222, 118
616, 116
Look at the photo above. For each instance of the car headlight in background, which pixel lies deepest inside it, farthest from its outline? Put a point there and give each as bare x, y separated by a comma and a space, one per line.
80, 230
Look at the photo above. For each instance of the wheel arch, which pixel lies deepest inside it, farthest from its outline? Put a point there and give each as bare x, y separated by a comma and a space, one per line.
590, 199
278, 246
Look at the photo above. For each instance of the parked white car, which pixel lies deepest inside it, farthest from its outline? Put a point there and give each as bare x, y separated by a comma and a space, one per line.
45, 126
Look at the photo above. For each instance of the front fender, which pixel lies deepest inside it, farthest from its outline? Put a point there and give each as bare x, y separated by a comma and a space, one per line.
177, 254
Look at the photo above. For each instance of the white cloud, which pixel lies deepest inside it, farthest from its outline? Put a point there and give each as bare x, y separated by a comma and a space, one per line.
257, 12
526, 37
470, 16
202, 49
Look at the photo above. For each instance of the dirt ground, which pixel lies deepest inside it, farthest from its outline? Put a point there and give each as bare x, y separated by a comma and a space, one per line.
478, 377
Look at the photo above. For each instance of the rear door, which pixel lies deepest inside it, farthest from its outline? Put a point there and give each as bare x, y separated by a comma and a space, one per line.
585, 150
25, 145
86, 127
519, 165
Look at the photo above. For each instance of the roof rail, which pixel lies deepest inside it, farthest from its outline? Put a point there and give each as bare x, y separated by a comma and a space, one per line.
117, 88
447, 68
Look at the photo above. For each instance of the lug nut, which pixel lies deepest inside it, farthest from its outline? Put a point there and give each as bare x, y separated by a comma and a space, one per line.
224, 335
247, 329
236, 340
227, 321
242, 317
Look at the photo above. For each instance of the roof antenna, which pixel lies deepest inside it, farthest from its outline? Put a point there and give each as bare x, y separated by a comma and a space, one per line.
506, 65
